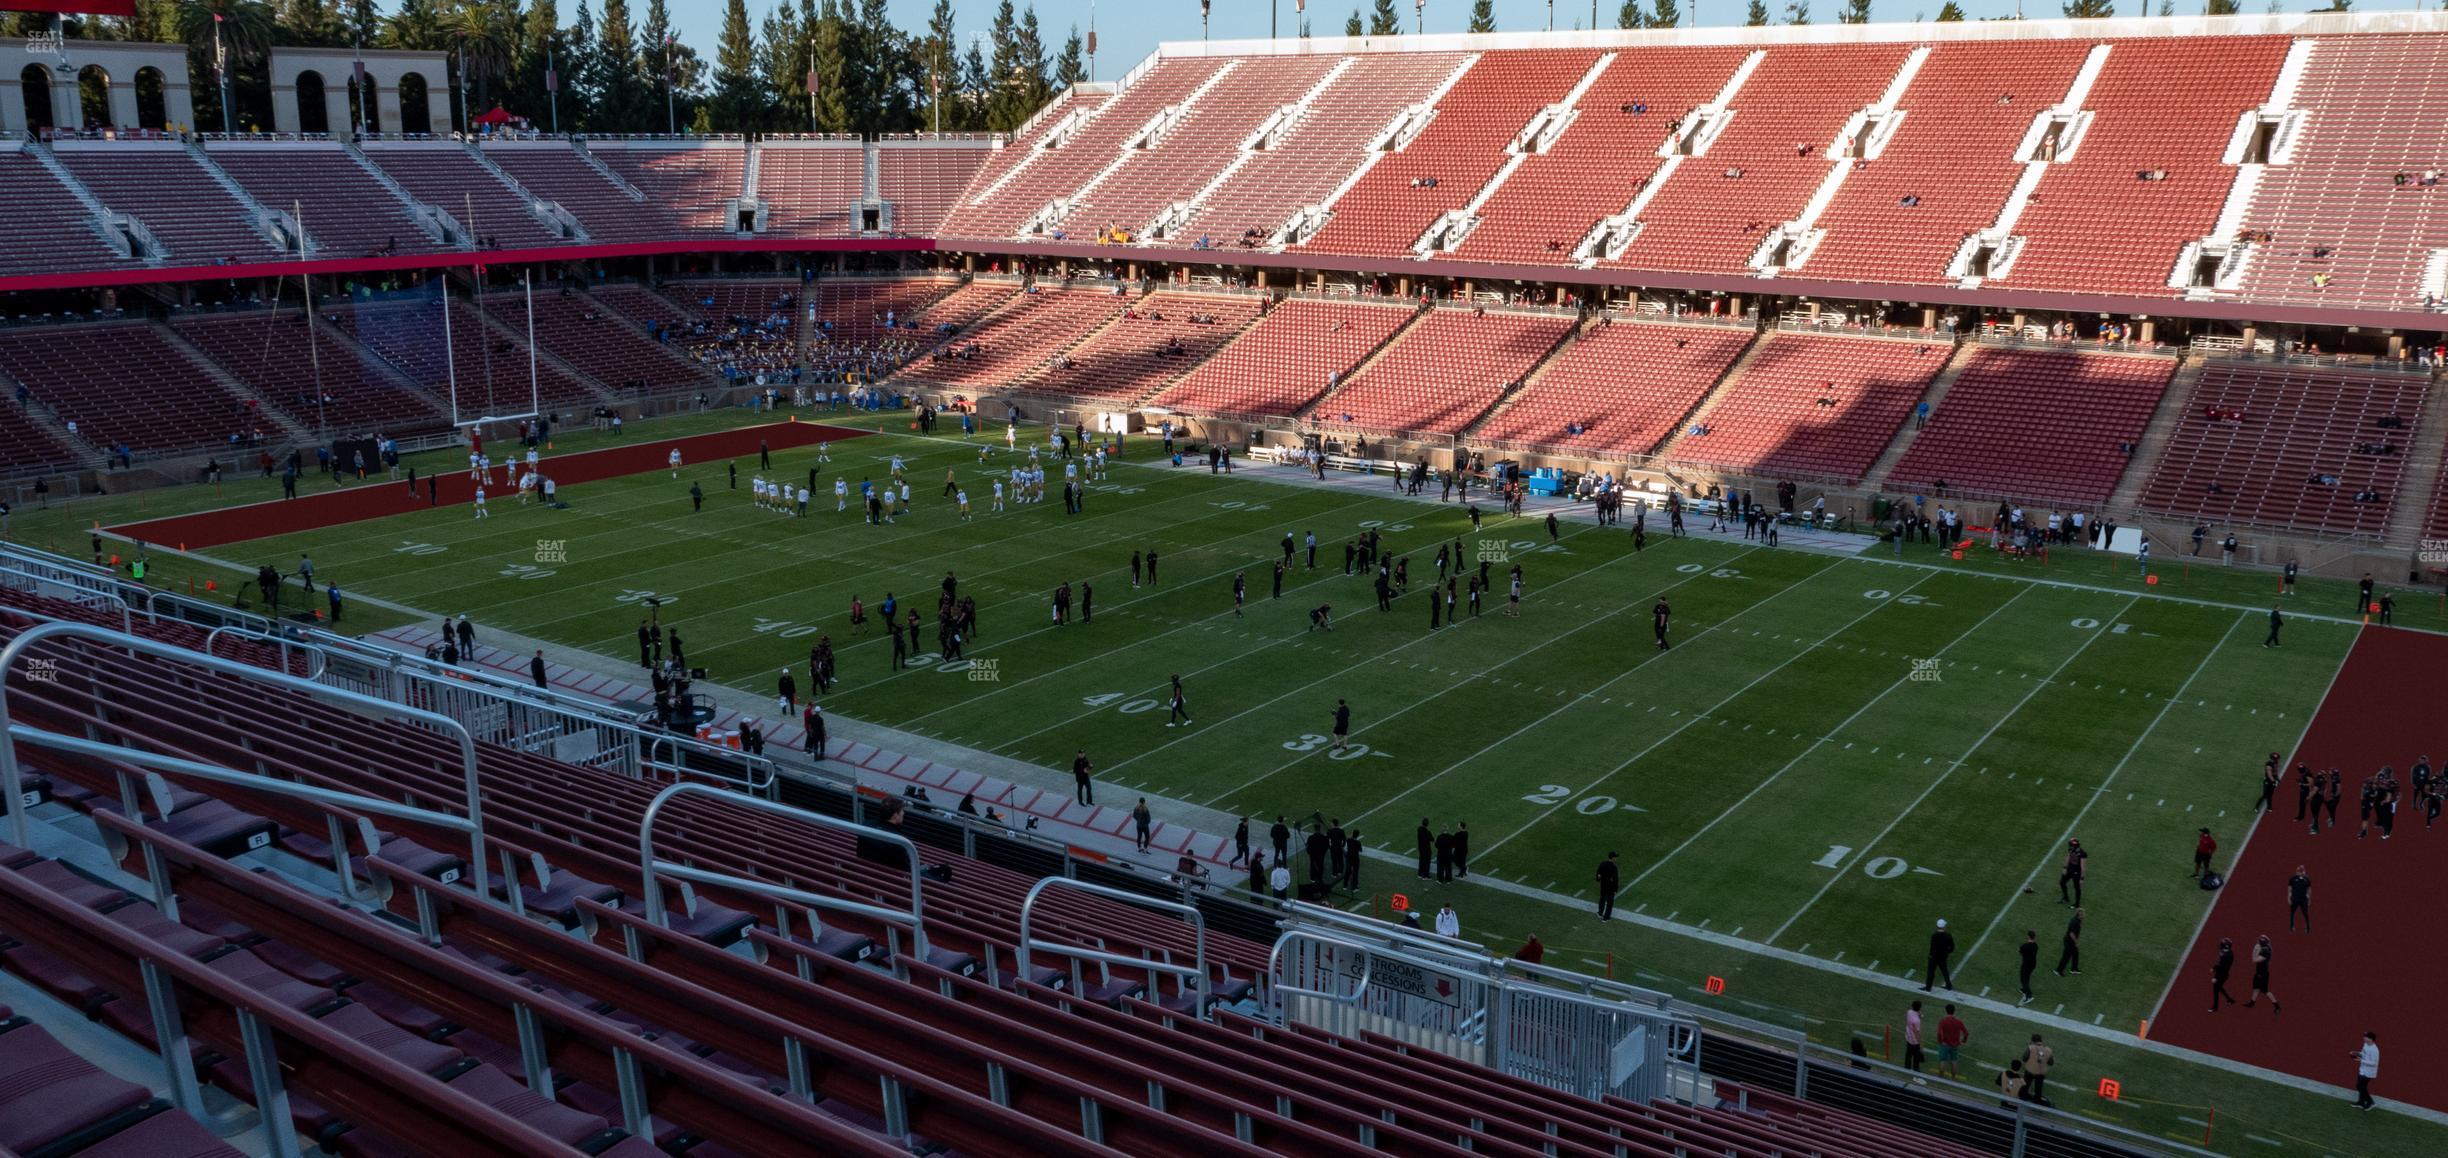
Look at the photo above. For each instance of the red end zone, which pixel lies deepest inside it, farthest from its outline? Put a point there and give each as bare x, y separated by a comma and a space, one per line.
377, 497
2373, 961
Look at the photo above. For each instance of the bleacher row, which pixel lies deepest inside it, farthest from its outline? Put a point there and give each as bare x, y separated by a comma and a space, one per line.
424, 1019
1887, 153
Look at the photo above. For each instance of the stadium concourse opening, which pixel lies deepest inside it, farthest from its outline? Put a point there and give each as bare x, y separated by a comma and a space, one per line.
378, 497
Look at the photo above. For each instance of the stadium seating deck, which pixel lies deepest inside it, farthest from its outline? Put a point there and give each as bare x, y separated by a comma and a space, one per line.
856, 309
267, 351
346, 212
25, 445
1787, 115
556, 172
811, 188
1812, 404
1158, 339
159, 184
1953, 154
2036, 425
408, 335
87, 374
1017, 337
1301, 348
1625, 385
603, 348
51, 232
2336, 210
1601, 161
693, 183
1198, 147
923, 180
1059, 172
2069, 241
1386, 212
1444, 372
2288, 447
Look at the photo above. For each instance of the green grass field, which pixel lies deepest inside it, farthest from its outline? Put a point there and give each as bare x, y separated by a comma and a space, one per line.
1836, 751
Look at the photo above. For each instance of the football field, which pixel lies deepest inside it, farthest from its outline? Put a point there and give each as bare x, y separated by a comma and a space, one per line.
1838, 749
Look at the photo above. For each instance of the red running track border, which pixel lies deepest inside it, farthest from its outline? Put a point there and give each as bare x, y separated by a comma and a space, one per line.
2372, 962
378, 497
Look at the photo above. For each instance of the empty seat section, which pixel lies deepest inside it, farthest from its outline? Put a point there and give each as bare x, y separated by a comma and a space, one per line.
1157, 340
2334, 211
1953, 156
447, 177
1445, 166
2037, 425
49, 231
1624, 386
921, 180
193, 217
605, 348
862, 309
490, 367
1603, 159
346, 212
2294, 447
1041, 175
1786, 116
123, 383
267, 351
26, 445
812, 188
1017, 337
1301, 348
1006, 160
554, 171
1195, 148
1326, 143
1812, 405
695, 184
2072, 239
1444, 372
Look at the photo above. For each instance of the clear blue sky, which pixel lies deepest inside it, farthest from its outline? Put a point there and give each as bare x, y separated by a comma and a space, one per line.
1128, 30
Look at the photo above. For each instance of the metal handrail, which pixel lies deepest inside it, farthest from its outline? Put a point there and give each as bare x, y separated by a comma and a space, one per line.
12, 775
1202, 985
1281, 990
317, 659
649, 866
759, 780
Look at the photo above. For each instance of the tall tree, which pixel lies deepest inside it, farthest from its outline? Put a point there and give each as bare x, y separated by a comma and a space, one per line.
2223, 7
1483, 16
833, 76
1950, 13
1072, 66
1665, 14
1757, 15
890, 94
659, 53
1383, 20
939, 67
1353, 27
2089, 9
247, 30
1031, 87
620, 93
782, 64
1630, 15
538, 39
364, 22
1854, 12
415, 26
976, 87
1797, 11
310, 23
741, 103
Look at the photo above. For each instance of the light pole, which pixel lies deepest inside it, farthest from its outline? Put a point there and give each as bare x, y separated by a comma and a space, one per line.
1205, 6
671, 119
811, 91
552, 89
1419, 16
220, 73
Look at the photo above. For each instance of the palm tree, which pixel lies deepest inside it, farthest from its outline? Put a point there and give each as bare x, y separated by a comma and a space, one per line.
244, 29
480, 33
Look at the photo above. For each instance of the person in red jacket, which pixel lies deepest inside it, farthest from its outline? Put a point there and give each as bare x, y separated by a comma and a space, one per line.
2202, 848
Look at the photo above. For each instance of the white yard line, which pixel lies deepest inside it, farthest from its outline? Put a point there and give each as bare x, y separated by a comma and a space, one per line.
2165, 707
2011, 713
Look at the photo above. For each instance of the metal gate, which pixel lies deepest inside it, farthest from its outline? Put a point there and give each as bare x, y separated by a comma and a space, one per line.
1591, 1046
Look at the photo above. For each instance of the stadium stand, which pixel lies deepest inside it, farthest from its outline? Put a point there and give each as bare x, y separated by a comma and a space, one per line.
26, 445
2350, 220
1197, 147
1323, 140
491, 368
2135, 130
2290, 447
267, 351
601, 346
554, 171
1157, 340
1609, 152
922, 180
446, 175
160, 184
1053, 168
2045, 425
1812, 405
1444, 168
696, 185
84, 373
1010, 158
811, 188
1444, 371
1718, 207
346, 212
858, 309
1624, 386
52, 231
1296, 351
1032, 328
1948, 168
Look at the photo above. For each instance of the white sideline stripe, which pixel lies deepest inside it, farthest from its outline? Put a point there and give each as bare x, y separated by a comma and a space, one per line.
2096, 793
2000, 1007
2176, 970
1960, 761
1847, 722
1618, 770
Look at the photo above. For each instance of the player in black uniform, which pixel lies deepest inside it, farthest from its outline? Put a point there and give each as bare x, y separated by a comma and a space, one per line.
1660, 616
2299, 899
2219, 970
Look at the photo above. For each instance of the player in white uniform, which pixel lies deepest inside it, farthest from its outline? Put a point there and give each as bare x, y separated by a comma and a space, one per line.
675, 462
824, 452
1011, 436
475, 467
962, 497
896, 467
756, 489
998, 494
803, 500
480, 503
1096, 464
841, 494
904, 498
